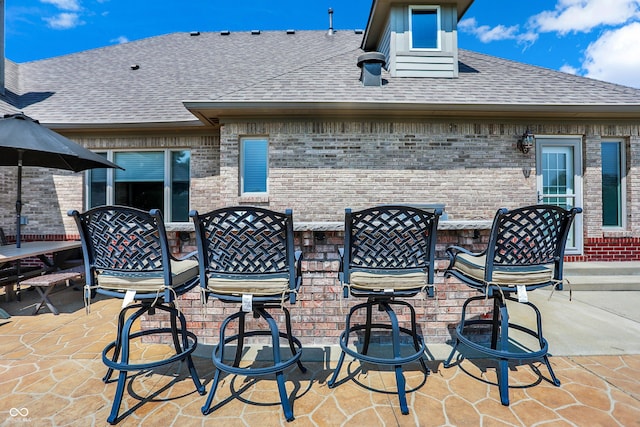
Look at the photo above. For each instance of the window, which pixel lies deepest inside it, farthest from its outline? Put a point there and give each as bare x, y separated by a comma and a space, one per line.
151, 179
613, 183
424, 25
253, 165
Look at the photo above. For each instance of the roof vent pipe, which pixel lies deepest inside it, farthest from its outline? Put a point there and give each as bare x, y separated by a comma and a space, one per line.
371, 64
330, 32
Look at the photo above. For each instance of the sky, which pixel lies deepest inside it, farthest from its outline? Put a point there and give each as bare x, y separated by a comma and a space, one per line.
593, 38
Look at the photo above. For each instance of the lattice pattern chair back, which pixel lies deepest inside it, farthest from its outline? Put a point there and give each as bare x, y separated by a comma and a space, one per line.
247, 241
530, 235
390, 238
125, 239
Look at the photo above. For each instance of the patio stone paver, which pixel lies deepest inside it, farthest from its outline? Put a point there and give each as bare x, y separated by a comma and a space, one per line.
51, 371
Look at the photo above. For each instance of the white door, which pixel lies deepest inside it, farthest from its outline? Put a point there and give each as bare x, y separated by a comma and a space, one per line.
559, 179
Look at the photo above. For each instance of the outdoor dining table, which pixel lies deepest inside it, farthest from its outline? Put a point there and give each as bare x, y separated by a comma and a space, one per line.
39, 249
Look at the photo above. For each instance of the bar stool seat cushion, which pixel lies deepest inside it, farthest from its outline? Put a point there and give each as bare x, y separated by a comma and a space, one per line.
380, 281
181, 271
245, 286
474, 266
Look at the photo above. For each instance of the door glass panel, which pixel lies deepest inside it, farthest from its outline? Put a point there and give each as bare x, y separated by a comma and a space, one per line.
557, 176
558, 181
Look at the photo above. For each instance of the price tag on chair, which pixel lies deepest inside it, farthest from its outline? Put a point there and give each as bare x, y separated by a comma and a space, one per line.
247, 303
522, 293
128, 298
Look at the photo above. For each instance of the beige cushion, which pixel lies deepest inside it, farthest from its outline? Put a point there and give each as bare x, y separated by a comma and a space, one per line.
473, 266
382, 281
181, 271
241, 286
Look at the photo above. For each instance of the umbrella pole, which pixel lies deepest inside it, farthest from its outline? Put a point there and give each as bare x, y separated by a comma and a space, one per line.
18, 222
19, 200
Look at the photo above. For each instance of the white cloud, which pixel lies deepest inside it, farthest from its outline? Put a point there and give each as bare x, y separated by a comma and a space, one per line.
120, 40
71, 5
584, 15
486, 34
64, 21
566, 68
615, 56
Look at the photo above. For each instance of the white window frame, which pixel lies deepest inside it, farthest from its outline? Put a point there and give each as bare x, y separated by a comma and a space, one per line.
111, 173
241, 165
623, 183
438, 30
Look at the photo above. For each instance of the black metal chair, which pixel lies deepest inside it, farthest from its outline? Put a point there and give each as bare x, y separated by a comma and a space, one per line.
126, 255
247, 258
388, 255
525, 252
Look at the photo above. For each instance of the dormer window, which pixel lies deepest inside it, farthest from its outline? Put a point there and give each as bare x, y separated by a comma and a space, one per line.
424, 27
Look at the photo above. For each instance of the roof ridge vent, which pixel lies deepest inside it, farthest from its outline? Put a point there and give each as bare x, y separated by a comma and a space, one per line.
371, 64
291, 31
255, 32
225, 32
194, 33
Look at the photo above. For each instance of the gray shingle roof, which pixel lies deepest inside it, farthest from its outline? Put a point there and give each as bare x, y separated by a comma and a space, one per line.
98, 87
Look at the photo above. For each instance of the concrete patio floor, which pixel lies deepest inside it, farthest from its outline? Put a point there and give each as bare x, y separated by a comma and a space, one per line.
51, 370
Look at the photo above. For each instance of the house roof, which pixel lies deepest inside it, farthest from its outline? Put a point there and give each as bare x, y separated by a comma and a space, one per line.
309, 72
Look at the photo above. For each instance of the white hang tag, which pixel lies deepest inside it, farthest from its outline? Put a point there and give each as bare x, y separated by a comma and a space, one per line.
247, 303
128, 298
522, 293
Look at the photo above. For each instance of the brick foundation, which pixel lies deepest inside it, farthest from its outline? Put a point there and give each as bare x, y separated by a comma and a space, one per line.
609, 249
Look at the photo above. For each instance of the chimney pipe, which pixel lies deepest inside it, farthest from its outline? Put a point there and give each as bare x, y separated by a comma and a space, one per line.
330, 32
371, 64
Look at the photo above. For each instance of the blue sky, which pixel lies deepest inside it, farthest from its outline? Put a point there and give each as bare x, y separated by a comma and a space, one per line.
594, 38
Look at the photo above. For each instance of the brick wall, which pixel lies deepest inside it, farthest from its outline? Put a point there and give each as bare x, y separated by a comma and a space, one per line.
609, 249
318, 316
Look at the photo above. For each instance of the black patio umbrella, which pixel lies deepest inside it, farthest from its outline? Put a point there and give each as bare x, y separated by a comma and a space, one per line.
25, 142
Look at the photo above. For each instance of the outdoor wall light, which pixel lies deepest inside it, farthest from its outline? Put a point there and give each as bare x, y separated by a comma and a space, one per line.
526, 141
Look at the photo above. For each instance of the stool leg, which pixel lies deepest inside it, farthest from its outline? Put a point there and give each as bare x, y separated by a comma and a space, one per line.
414, 334
240, 341
503, 364
367, 331
287, 319
175, 316
458, 332
206, 409
118, 346
218, 357
275, 340
400, 380
543, 343
122, 377
344, 338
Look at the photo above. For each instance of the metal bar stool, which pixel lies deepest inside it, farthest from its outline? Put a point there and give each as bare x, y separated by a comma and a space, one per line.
525, 252
388, 255
247, 259
126, 256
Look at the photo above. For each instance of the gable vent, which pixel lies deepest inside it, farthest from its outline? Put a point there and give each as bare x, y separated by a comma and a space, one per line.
371, 64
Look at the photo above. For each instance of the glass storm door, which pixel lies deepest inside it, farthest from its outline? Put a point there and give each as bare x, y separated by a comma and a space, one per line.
559, 180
